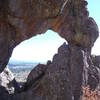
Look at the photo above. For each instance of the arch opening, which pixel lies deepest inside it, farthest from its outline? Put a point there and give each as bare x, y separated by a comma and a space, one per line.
34, 51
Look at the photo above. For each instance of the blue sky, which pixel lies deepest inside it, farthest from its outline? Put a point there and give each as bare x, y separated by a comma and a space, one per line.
42, 47
94, 11
39, 48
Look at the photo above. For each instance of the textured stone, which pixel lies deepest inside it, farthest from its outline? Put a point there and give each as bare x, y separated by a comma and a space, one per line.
22, 19
71, 67
35, 75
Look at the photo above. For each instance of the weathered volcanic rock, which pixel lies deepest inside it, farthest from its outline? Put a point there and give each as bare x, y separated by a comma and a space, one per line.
35, 75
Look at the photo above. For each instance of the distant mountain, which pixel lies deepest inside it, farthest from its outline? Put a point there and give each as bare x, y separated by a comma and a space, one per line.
22, 64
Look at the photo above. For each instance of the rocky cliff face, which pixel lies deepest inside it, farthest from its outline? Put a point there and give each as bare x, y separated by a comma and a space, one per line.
61, 79
72, 67
20, 20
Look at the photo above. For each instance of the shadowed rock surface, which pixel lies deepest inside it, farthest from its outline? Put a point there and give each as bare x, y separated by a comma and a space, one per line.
96, 60
72, 67
63, 78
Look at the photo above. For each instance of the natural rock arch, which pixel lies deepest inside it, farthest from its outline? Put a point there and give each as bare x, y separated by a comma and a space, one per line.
22, 19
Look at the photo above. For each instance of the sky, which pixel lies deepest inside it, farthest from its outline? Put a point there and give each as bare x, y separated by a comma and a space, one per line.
42, 47
39, 48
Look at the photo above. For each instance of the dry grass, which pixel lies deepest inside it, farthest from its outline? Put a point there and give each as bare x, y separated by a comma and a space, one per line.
90, 95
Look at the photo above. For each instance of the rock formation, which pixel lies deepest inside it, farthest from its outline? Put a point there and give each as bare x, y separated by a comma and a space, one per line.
8, 85
72, 67
8, 81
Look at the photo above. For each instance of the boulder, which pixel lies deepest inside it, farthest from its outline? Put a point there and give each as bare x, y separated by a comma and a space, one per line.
35, 75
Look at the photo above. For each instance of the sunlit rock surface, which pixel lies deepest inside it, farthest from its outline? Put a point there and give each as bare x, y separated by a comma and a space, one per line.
72, 67
8, 84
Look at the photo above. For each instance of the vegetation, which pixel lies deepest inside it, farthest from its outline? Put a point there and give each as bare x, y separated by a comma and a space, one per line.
89, 94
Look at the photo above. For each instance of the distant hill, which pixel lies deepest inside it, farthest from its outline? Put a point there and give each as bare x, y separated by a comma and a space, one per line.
22, 63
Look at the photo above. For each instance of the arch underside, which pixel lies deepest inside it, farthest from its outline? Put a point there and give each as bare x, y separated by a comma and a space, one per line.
20, 20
